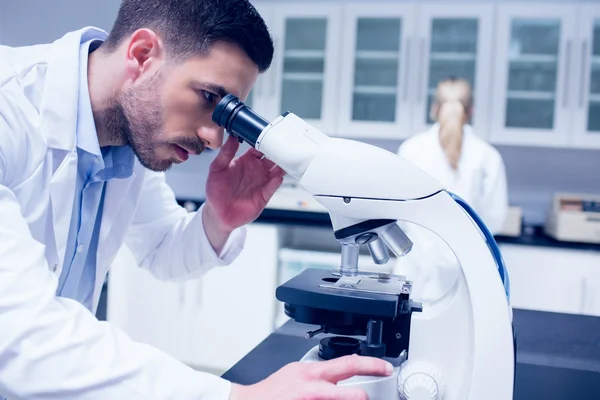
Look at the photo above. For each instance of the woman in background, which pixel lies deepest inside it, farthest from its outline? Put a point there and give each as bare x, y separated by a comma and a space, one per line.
460, 160
464, 164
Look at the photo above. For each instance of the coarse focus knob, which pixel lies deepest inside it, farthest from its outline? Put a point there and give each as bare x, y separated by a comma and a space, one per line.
420, 380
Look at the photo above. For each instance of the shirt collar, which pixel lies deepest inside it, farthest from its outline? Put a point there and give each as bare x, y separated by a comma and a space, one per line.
113, 162
87, 137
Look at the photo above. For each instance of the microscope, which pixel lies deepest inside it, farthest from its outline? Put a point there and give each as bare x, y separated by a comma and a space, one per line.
459, 348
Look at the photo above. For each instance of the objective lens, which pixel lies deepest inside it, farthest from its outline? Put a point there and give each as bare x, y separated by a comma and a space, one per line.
238, 119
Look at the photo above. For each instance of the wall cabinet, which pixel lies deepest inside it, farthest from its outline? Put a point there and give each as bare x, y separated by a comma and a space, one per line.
369, 71
534, 60
374, 80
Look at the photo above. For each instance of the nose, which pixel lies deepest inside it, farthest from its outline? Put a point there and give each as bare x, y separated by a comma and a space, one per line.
212, 135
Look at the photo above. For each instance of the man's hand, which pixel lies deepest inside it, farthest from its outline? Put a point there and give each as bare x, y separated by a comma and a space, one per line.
237, 191
314, 381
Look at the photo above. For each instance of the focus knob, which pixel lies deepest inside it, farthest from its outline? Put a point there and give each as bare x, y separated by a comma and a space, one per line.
420, 380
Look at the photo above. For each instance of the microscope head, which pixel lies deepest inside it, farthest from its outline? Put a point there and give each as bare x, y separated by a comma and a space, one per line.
341, 170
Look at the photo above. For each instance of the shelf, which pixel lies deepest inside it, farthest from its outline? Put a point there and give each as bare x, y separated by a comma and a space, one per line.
303, 76
377, 55
594, 98
596, 61
304, 54
534, 58
533, 95
387, 90
450, 56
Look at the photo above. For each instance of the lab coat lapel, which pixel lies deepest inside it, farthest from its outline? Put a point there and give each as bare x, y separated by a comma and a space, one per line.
62, 192
115, 195
59, 125
119, 206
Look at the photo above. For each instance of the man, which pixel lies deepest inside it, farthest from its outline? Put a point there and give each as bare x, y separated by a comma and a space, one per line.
87, 126
463, 163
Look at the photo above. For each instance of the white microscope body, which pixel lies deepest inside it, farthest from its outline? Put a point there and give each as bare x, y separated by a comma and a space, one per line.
461, 347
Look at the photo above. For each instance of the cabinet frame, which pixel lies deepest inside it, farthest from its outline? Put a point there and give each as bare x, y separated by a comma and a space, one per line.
559, 134
400, 128
484, 13
274, 86
580, 96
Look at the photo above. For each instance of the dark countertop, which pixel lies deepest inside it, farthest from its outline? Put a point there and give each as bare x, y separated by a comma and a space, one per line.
532, 235
558, 355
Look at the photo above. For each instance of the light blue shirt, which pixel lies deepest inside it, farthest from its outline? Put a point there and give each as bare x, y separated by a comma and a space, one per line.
95, 167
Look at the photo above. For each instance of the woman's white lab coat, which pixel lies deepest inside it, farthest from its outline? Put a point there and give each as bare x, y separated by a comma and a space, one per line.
54, 348
480, 179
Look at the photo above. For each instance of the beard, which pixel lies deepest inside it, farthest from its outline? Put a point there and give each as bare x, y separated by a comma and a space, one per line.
136, 118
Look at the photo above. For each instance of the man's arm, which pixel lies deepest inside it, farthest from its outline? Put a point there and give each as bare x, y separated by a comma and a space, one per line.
171, 242
174, 244
53, 348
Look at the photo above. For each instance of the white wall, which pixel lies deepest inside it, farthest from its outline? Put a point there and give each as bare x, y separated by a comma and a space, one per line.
25, 22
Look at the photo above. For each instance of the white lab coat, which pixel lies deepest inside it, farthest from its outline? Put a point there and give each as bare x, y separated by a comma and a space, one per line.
480, 180
53, 348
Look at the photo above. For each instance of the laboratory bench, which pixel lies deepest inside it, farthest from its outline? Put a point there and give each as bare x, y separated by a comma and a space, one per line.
557, 283
558, 355
533, 235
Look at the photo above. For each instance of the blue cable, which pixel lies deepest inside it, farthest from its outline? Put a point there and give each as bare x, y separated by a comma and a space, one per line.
491, 242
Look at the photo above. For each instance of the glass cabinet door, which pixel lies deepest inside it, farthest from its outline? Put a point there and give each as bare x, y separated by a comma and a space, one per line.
304, 67
593, 120
532, 73
376, 65
587, 114
374, 92
452, 54
532, 93
306, 60
454, 42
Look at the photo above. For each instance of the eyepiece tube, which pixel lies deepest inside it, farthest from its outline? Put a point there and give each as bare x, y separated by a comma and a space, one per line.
239, 120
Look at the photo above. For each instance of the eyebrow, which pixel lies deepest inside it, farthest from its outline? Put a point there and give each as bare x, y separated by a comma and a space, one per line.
217, 89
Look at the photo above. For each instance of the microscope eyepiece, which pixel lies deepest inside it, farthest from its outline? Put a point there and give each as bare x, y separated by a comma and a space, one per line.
239, 120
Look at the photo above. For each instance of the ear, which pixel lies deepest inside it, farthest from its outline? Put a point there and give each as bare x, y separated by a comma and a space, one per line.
144, 51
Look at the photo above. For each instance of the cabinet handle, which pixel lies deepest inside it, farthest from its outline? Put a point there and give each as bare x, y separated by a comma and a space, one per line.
584, 55
566, 79
421, 68
406, 60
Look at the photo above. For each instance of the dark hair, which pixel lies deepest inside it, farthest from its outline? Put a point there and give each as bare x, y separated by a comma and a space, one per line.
191, 27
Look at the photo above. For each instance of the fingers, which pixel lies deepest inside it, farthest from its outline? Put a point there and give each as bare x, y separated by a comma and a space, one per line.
271, 187
226, 153
277, 171
346, 367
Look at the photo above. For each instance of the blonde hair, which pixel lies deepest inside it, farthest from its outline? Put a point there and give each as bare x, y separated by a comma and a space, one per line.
451, 109
454, 89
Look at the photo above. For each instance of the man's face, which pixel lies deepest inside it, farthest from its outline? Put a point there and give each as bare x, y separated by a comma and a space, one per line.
166, 113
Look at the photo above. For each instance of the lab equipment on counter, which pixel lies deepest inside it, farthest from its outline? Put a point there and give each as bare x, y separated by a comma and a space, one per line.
574, 218
513, 224
460, 347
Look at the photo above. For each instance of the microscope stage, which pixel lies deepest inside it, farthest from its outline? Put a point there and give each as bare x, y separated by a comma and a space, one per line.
366, 294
